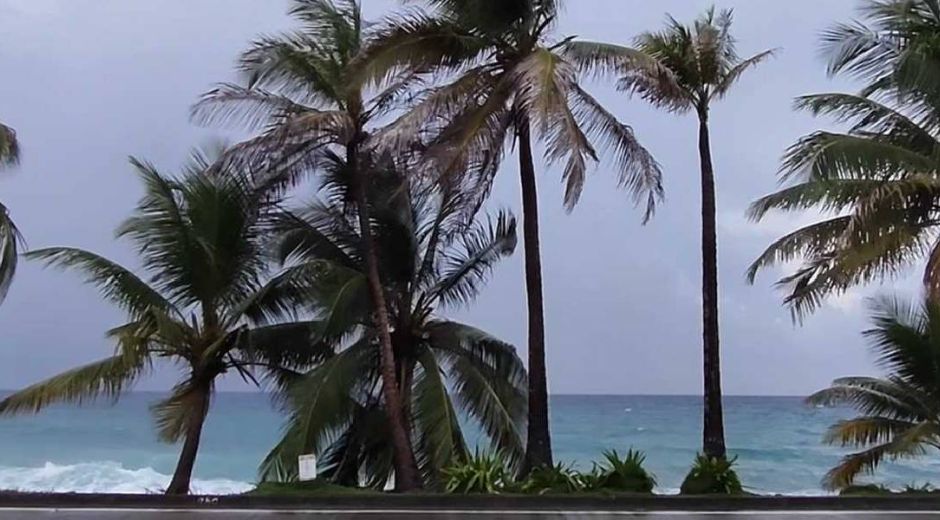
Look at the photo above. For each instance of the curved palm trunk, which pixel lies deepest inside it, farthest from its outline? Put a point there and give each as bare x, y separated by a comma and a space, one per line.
183, 474
538, 441
713, 442
406, 469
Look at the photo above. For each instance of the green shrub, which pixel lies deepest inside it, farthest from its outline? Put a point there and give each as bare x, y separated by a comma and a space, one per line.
712, 476
555, 480
484, 472
625, 474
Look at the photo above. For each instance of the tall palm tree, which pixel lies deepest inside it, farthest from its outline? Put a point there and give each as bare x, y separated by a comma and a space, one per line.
10, 237
685, 69
507, 82
878, 181
204, 304
298, 88
429, 259
899, 414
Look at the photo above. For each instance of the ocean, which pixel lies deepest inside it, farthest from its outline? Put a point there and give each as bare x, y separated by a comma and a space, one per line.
104, 448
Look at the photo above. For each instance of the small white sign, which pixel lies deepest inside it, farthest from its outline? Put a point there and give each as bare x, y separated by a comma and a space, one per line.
307, 467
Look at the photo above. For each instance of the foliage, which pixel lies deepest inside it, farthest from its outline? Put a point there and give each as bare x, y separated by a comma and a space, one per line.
682, 68
204, 304
876, 183
430, 258
482, 473
504, 74
712, 476
553, 480
897, 418
622, 474
10, 238
502, 80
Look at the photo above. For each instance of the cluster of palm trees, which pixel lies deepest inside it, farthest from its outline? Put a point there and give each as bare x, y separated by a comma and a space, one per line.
403, 125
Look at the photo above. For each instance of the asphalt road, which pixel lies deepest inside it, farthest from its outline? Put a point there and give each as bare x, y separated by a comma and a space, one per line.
139, 514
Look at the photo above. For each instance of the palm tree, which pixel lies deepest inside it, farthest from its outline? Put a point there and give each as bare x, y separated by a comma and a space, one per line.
430, 259
508, 83
684, 69
10, 237
299, 89
204, 304
878, 181
899, 415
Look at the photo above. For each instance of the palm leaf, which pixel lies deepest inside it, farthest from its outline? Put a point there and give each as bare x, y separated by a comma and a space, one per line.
116, 283
10, 240
106, 378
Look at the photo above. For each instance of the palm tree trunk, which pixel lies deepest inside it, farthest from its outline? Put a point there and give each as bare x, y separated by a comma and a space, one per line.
183, 474
538, 442
713, 432
406, 469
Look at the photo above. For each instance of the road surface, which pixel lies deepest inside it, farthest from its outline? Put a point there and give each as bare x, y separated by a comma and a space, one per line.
226, 514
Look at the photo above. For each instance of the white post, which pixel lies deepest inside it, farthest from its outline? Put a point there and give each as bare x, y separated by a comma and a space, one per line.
307, 467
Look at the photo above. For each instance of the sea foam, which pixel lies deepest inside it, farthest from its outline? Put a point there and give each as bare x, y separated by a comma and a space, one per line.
104, 477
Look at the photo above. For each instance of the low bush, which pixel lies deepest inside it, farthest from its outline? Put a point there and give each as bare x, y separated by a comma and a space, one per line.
555, 480
712, 476
621, 474
484, 472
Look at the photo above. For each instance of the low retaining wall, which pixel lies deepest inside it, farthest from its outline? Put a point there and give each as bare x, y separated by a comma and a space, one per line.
473, 503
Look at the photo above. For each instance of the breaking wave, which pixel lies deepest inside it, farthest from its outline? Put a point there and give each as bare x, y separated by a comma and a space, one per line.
104, 477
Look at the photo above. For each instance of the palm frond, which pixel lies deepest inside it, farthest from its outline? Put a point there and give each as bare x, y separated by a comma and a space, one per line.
116, 283
730, 77
319, 404
467, 269
440, 437
489, 381
544, 85
188, 402
907, 443
638, 171
10, 241
107, 378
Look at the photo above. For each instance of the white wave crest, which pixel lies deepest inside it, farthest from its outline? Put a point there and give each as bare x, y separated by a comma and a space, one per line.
104, 477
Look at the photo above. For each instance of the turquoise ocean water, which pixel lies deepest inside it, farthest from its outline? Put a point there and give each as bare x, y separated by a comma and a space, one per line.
103, 448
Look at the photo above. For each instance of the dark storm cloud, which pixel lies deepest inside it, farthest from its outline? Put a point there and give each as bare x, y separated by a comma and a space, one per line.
88, 82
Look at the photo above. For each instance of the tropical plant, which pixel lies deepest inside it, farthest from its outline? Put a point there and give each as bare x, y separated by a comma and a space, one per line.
712, 476
625, 474
483, 473
553, 480
685, 69
299, 90
10, 237
898, 415
506, 82
203, 304
448, 372
878, 181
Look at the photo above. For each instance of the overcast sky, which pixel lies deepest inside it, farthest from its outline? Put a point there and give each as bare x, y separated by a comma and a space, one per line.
87, 83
